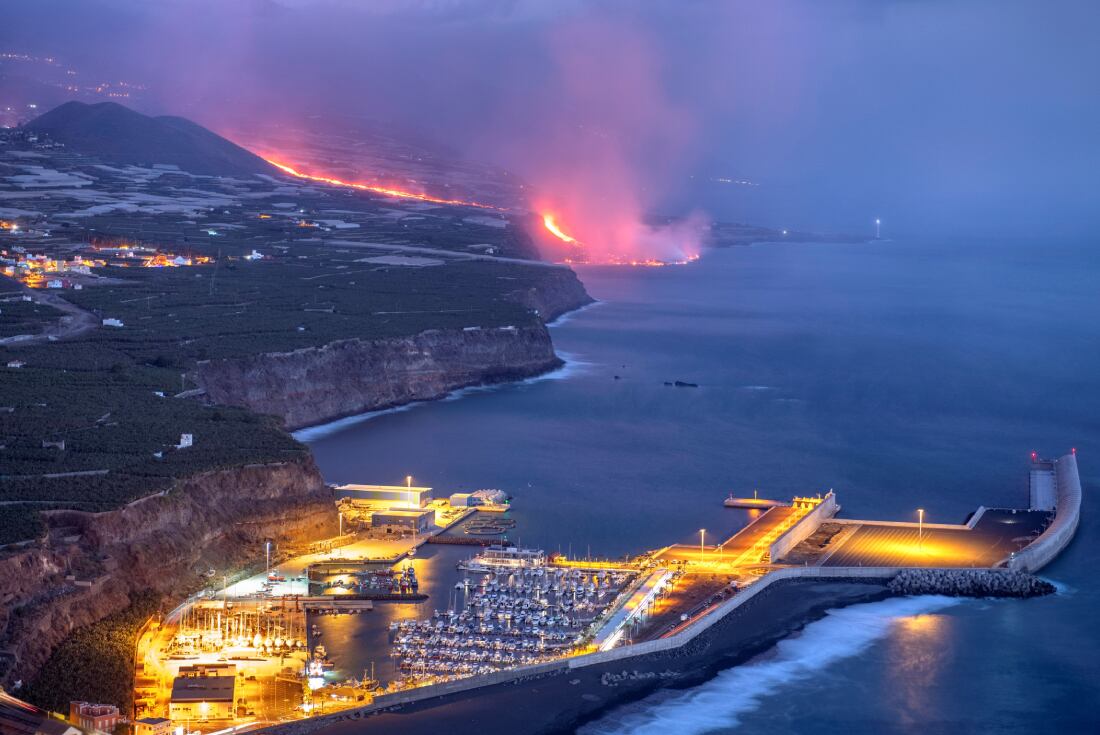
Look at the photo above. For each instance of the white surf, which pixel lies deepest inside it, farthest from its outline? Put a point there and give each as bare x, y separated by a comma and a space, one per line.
718, 704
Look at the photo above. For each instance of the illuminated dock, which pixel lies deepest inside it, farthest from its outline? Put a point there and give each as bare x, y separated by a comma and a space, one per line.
753, 503
994, 536
635, 607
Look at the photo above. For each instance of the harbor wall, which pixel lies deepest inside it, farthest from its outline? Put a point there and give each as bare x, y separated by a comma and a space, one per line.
805, 527
1067, 514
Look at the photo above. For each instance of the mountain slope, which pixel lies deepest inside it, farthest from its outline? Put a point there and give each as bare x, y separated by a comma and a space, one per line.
118, 134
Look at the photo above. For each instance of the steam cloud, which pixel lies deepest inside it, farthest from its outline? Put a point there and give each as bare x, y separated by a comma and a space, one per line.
603, 111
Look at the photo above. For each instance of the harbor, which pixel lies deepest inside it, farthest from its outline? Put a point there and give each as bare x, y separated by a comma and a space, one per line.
374, 617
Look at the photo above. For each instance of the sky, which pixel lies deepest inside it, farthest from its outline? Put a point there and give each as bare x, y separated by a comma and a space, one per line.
942, 117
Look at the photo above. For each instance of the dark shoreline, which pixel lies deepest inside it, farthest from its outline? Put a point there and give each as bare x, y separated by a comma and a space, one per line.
559, 703
501, 378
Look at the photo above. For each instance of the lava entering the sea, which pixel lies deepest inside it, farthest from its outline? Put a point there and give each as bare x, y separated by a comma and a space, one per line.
384, 190
579, 254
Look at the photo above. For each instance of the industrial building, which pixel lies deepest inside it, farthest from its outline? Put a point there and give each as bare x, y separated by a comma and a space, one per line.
389, 496
417, 521
200, 698
1042, 486
462, 500
205, 669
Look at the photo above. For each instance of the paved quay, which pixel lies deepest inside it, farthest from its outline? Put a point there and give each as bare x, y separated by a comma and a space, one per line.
996, 535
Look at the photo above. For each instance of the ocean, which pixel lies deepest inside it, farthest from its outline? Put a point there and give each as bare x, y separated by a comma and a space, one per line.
901, 375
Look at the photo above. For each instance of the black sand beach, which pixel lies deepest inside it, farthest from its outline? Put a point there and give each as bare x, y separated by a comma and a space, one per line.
560, 703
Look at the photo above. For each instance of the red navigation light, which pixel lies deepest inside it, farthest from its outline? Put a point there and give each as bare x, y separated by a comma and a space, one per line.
1073, 450
1034, 456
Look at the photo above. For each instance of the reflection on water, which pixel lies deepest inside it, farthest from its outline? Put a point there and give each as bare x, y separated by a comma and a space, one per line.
918, 651
354, 642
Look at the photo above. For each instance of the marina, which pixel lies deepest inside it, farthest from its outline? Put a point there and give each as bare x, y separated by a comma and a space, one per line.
512, 608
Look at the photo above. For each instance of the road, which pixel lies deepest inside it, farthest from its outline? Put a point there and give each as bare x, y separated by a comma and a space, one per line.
74, 323
455, 254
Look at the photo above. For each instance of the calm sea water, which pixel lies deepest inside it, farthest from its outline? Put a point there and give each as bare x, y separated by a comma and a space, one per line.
901, 375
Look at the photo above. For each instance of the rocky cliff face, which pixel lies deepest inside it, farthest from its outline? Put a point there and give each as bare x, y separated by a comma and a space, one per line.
560, 292
348, 377
161, 543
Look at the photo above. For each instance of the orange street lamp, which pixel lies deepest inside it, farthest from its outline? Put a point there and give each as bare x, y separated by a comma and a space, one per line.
702, 535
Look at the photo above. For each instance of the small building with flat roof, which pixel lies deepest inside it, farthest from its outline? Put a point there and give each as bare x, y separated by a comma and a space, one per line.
417, 521
152, 726
390, 496
202, 698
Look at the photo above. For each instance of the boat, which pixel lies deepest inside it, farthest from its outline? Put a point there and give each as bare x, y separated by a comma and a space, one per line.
275, 577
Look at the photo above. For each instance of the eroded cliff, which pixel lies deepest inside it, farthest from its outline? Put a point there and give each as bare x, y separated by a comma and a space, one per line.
94, 562
348, 377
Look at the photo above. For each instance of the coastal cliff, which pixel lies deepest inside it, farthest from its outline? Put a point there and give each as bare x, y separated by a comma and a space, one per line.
93, 563
554, 296
348, 377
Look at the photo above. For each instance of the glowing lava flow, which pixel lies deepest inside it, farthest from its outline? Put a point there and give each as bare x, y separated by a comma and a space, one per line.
378, 189
549, 222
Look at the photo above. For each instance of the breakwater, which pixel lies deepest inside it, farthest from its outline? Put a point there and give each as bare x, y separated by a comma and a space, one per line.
968, 583
1067, 515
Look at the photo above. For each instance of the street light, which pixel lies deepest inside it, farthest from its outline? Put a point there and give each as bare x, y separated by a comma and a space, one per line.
702, 535
920, 528
408, 480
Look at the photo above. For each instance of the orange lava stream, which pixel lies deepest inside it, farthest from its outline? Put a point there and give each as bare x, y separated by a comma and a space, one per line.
552, 226
378, 189
550, 222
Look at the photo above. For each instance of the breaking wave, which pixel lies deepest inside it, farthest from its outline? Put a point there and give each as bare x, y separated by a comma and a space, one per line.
718, 704
570, 315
